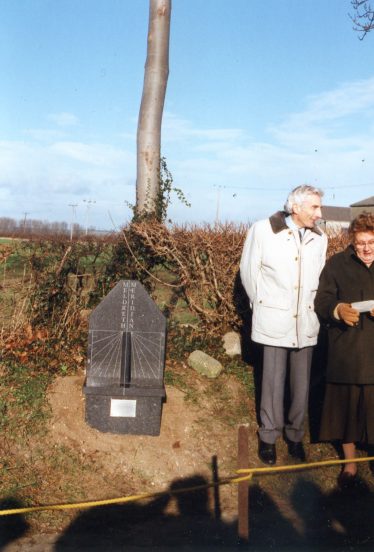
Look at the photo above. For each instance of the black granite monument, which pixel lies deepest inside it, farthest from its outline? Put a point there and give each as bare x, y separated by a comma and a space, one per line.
124, 386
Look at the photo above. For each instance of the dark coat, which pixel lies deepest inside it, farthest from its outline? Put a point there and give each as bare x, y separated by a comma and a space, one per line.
346, 279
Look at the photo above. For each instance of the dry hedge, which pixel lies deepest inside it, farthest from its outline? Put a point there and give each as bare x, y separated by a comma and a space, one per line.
205, 260
202, 260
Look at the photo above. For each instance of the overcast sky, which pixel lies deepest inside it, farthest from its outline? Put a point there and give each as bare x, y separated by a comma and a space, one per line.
262, 96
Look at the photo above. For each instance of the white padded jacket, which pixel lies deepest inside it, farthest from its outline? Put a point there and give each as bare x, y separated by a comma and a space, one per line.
281, 277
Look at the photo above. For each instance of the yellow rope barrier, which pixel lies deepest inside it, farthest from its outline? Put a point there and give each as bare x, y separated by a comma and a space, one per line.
248, 474
123, 499
305, 466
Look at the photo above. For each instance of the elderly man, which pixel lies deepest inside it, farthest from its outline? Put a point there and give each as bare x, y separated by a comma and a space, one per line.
280, 267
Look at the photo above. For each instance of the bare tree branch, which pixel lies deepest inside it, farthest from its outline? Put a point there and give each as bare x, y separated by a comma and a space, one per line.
363, 19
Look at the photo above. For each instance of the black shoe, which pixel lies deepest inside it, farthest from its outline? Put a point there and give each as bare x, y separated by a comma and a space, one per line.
347, 480
267, 452
296, 450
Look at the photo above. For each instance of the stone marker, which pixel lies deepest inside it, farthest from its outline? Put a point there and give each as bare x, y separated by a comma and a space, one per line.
204, 364
231, 344
124, 385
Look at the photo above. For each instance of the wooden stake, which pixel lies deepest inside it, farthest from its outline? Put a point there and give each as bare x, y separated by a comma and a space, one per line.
243, 489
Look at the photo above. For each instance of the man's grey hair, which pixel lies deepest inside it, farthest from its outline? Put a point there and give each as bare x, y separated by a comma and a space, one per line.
299, 195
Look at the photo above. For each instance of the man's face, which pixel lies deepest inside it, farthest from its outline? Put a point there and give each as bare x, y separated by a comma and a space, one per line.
307, 214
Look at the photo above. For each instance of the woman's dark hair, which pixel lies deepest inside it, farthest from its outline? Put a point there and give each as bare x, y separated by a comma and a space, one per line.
364, 222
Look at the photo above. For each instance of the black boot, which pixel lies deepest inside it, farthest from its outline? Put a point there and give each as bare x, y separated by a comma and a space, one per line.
296, 450
267, 452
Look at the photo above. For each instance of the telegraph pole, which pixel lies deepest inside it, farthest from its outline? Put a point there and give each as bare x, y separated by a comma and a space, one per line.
88, 202
218, 205
73, 207
24, 222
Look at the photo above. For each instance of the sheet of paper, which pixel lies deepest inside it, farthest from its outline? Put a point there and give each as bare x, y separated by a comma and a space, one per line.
363, 306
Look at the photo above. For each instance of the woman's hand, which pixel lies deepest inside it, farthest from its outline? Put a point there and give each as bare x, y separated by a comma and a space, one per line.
349, 315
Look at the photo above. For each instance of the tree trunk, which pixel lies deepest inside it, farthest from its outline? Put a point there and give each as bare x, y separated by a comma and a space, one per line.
152, 105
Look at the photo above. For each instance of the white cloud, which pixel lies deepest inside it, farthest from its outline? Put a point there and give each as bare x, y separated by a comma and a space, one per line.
98, 155
176, 129
340, 119
63, 119
347, 99
45, 180
43, 135
330, 144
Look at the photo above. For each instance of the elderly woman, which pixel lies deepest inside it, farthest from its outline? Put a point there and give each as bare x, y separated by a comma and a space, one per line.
345, 301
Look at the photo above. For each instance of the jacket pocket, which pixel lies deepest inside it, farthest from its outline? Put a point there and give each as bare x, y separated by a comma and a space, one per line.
273, 320
311, 321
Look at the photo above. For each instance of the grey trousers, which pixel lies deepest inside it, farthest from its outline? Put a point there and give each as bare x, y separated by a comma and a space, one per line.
272, 394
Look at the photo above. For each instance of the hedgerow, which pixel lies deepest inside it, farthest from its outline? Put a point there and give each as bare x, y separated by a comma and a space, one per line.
65, 280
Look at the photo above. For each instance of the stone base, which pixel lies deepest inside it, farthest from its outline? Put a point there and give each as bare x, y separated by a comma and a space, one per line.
131, 413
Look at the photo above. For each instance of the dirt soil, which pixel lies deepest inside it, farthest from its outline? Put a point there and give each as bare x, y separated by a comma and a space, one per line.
184, 448
303, 511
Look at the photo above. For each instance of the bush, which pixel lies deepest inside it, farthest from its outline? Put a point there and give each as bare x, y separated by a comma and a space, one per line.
205, 261
198, 264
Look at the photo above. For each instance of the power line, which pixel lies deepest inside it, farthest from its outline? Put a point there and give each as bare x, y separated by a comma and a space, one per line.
263, 189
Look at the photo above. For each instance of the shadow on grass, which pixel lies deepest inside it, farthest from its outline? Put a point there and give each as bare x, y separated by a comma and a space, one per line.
11, 527
307, 519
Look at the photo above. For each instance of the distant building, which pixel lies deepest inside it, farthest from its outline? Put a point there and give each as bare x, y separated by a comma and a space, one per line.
364, 205
335, 218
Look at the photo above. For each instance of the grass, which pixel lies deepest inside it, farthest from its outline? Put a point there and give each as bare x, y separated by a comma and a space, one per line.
243, 373
15, 262
183, 315
33, 470
181, 378
14, 266
23, 415
32, 474
41, 475
8, 303
90, 262
22, 398
175, 379
8, 241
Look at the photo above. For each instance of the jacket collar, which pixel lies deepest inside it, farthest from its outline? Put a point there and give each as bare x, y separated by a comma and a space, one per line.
350, 253
278, 223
